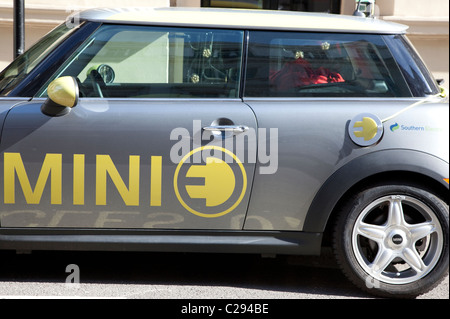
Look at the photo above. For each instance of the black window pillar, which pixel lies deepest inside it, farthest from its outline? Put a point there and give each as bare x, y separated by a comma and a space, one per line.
270, 4
19, 27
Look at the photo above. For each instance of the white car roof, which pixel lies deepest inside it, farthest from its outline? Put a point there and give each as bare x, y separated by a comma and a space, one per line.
243, 19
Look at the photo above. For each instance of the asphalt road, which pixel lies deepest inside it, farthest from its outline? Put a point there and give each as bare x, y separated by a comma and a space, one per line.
175, 276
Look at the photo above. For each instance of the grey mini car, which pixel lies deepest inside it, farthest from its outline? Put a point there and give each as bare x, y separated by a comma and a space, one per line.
240, 131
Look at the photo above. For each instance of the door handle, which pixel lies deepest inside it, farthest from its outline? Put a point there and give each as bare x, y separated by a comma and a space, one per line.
227, 128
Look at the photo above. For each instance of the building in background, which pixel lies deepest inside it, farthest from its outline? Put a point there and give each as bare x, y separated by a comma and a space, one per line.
428, 20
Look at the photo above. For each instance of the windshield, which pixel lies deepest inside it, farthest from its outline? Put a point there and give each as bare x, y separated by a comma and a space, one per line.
24, 64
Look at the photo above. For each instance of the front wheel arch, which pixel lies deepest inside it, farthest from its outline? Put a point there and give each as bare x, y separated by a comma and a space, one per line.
409, 167
389, 178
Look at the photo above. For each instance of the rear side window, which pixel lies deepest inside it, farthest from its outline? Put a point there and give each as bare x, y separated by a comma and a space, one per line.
291, 64
420, 80
120, 61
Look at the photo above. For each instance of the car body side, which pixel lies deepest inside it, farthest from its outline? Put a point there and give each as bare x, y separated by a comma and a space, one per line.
289, 210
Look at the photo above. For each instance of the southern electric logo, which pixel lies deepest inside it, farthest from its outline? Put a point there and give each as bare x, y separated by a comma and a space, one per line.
415, 128
394, 127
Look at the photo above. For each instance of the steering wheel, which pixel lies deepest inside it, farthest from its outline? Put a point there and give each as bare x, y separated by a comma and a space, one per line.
81, 88
98, 85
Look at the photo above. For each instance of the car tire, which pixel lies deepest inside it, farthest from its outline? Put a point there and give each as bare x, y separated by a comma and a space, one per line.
392, 240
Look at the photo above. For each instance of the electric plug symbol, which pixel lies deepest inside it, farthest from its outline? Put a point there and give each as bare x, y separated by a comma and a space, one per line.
219, 181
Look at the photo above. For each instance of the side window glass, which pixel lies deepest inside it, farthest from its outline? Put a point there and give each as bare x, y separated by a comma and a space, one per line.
157, 62
321, 64
420, 80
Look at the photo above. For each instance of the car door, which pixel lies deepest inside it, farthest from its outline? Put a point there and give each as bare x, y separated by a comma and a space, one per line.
153, 142
311, 86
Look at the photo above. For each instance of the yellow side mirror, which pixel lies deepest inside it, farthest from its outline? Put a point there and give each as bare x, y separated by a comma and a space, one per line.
63, 94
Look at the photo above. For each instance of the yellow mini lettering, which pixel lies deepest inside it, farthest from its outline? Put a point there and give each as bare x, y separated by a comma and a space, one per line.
78, 179
156, 181
52, 167
105, 167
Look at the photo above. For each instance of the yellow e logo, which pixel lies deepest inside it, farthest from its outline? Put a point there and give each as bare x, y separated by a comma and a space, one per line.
365, 129
218, 186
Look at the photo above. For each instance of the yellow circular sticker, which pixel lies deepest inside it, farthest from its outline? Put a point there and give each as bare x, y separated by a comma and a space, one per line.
217, 192
365, 129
